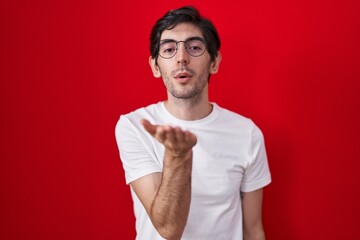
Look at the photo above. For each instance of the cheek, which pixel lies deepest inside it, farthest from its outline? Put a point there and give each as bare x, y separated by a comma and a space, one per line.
163, 67
206, 68
161, 70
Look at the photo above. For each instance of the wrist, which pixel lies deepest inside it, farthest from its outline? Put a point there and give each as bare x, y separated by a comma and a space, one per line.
178, 162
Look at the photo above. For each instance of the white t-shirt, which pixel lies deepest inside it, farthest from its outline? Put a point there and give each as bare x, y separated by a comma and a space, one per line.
229, 157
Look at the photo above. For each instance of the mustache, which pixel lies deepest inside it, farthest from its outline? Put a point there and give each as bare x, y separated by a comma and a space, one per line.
183, 69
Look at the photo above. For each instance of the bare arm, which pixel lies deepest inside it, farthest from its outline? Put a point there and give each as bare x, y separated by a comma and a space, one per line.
166, 196
252, 217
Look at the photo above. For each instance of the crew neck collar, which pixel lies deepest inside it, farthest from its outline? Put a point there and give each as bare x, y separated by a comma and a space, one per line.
174, 120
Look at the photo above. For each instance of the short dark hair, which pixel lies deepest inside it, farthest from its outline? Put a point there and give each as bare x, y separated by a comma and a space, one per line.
187, 14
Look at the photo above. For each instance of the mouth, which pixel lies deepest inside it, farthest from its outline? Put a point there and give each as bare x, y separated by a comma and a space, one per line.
183, 76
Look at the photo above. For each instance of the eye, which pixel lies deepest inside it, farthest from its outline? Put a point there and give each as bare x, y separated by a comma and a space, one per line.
167, 49
195, 47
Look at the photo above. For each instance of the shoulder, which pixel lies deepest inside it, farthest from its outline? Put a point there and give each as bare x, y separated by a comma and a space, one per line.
144, 112
235, 119
131, 122
239, 125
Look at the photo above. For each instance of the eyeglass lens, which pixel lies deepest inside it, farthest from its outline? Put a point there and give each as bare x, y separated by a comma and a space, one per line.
194, 47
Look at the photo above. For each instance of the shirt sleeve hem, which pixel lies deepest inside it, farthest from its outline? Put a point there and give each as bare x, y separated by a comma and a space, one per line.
249, 187
140, 174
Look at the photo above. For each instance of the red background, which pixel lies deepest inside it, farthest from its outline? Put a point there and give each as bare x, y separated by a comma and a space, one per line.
68, 69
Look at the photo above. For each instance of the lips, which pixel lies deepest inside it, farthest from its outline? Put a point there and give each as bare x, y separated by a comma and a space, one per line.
183, 76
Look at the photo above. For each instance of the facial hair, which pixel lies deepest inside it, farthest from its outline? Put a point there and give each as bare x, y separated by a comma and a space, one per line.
188, 90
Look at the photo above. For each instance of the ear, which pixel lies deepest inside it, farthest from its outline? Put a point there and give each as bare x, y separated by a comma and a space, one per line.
215, 64
154, 67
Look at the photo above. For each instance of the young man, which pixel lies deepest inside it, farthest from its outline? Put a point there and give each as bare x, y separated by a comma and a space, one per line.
196, 170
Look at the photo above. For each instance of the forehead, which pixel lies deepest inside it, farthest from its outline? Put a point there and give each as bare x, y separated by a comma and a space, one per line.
182, 32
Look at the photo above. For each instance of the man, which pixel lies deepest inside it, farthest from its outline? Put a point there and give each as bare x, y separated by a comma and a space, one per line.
196, 170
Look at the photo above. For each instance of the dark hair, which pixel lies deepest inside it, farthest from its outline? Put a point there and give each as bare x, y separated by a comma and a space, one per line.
187, 14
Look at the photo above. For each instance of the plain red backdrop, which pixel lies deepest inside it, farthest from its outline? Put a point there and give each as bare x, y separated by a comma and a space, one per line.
68, 69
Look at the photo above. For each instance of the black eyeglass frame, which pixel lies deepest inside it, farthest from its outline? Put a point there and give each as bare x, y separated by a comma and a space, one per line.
186, 47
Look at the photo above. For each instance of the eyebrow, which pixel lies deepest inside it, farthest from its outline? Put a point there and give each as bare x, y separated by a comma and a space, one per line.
163, 41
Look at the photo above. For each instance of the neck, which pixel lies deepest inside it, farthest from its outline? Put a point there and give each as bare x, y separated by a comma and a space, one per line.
189, 109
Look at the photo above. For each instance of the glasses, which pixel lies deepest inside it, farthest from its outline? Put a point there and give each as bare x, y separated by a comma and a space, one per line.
195, 47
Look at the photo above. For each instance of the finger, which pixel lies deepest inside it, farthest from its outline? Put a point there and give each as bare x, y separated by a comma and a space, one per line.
170, 136
160, 134
150, 128
190, 137
179, 135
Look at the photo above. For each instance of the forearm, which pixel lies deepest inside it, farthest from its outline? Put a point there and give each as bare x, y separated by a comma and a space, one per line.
258, 235
170, 208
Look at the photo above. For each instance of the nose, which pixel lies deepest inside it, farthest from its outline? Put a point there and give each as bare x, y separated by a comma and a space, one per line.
182, 56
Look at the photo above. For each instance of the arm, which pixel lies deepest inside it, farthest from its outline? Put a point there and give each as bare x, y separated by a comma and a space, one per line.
166, 195
252, 218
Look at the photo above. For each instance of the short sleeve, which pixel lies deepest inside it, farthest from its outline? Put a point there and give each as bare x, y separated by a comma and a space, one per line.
257, 173
135, 150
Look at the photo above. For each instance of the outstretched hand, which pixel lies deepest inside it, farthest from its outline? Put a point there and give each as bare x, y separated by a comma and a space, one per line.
176, 141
